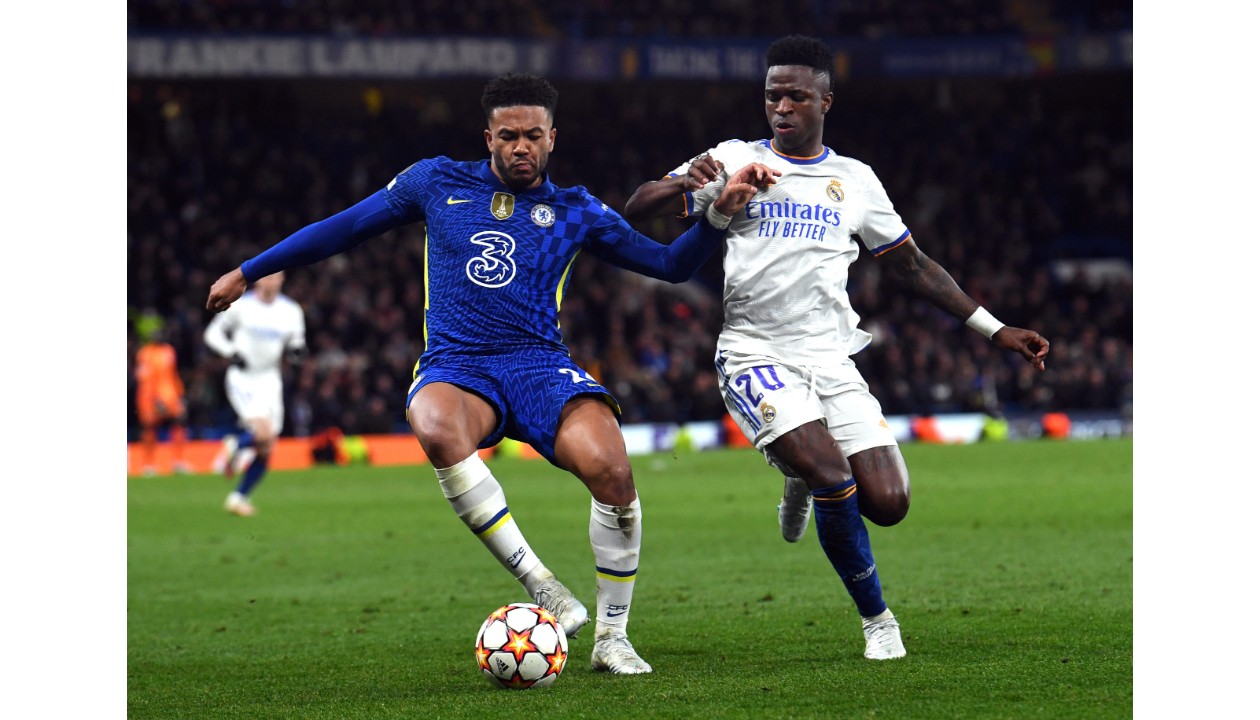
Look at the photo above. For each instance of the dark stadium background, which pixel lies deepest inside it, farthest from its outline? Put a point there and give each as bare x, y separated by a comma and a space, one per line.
1010, 160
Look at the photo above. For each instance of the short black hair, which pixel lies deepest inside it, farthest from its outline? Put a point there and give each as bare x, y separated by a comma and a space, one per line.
515, 89
801, 50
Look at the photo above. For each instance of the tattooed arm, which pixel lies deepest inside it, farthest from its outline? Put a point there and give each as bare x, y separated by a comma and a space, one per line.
922, 275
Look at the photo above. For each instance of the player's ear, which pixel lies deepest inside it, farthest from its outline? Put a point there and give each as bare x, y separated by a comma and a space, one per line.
489, 140
551, 140
826, 101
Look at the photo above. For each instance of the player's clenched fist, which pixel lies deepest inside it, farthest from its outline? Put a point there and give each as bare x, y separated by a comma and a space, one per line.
702, 171
226, 290
1027, 343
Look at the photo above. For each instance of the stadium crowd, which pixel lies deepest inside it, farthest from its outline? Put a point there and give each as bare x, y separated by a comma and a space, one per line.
1012, 185
628, 18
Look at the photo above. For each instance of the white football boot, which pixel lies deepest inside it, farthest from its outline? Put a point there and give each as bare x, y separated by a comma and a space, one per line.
614, 654
883, 637
560, 601
794, 509
238, 504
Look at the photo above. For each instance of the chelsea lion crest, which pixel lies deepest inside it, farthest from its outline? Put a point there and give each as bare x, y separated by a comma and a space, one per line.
543, 215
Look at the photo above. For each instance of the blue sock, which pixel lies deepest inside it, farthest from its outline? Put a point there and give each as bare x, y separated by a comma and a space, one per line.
244, 439
253, 474
847, 544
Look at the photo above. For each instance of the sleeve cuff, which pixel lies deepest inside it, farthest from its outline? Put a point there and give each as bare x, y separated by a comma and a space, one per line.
717, 219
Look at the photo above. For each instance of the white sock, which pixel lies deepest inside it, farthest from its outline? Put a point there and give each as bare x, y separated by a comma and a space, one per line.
886, 615
478, 499
616, 534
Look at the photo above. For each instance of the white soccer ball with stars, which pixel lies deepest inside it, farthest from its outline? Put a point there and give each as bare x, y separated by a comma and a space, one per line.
521, 646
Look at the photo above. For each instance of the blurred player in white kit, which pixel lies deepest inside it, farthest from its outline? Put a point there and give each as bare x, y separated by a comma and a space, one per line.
256, 333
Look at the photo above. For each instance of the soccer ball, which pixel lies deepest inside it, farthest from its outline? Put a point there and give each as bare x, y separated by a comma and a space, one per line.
521, 646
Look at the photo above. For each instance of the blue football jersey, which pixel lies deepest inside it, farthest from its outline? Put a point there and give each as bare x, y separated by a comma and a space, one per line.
497, 261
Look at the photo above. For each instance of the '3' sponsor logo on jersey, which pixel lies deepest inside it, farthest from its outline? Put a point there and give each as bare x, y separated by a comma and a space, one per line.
494, 267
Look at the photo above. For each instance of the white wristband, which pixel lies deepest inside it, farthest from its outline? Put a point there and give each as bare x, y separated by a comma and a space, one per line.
983, 322
717, 219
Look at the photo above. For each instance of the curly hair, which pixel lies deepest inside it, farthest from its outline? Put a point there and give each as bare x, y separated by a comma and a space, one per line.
515, 89
801, 50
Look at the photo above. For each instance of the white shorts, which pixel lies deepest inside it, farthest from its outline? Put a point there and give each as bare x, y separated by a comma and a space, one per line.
256, 396
767, 397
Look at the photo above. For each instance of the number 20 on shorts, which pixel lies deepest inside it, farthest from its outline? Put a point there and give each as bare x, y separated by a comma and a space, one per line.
765, 376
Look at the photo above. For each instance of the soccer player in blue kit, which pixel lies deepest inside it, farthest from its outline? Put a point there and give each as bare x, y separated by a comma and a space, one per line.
500, 243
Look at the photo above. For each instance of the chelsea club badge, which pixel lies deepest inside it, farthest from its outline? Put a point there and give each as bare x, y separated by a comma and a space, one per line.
543, 215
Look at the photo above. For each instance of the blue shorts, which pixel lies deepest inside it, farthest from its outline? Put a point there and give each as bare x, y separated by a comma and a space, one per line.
527, 390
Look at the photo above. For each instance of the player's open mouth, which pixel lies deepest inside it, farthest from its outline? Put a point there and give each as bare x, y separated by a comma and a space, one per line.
784, 127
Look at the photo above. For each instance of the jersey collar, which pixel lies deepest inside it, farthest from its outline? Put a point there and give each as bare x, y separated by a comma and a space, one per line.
795, 160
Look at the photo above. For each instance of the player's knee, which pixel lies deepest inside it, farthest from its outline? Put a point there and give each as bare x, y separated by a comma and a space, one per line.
442, 441
609, 478
264, 437
441, 444
886, 505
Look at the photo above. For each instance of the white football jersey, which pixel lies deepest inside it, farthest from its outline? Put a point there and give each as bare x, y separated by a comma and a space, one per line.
787, 254
258, 331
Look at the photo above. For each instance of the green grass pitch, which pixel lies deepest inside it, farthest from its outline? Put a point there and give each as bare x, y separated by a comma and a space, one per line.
357, 593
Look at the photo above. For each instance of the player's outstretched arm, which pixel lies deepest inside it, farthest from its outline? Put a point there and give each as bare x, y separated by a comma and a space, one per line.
923, 276
328, 237
624, 247
656, 198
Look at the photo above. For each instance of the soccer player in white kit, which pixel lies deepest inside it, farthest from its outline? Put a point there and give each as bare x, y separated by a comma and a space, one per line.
257, 332
783, 356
